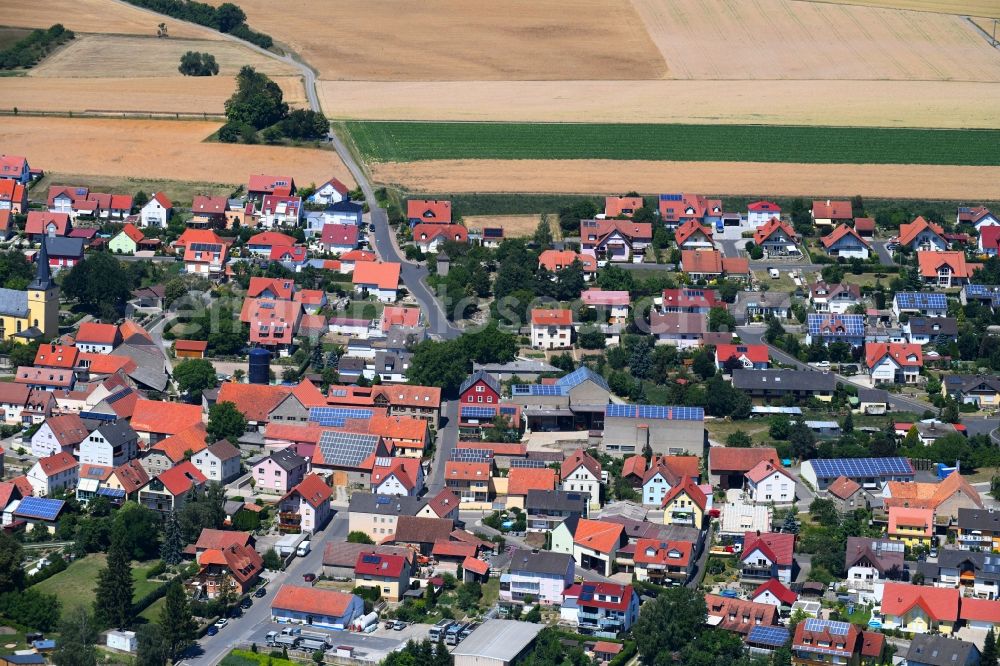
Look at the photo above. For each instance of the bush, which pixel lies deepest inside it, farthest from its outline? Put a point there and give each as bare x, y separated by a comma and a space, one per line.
158, 569
195, 63
38, 44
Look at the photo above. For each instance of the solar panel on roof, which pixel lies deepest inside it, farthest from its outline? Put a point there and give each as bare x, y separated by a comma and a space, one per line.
671, 197
832, 626
831, 468
382, 499
478, 412
771, 636
915, 300
205, 247
118, 395
117, 493
658, 412
370, 559
508, 411
335, 416
40, 508
526, 463
346, 449
835, 325
462, 454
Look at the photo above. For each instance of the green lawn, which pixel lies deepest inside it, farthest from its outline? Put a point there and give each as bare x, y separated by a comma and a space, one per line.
248, 658
408, 141
75, 586
181, 193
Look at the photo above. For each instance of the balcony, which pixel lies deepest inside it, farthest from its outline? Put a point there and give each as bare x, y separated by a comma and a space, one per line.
289, 522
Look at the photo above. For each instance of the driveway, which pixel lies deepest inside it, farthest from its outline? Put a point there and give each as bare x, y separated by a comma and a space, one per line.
884, 255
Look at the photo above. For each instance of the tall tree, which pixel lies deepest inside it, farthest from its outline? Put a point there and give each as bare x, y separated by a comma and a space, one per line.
115, 588
989, 657
194, 375
152, 649
225, 422
137, 528
77, 638
668, 623
11, 559
258, 101
173, 541
177, 621
100, 284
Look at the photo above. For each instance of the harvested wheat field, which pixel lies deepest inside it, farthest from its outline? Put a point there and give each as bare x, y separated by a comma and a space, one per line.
116, 56
106, 16
158, 149
778, 179
964, 7
514, 226
183, 94
788, 39
455, 40
862, 103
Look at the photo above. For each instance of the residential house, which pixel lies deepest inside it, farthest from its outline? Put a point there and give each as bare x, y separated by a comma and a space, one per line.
848, 495
776, 238
155, 420
865, 226
728, 467
600, 609
711, 265
829, 327
280, 211
679, 329
547, 509
931, 330
50, 474
595, 545
621, 206
971, 572
428, 211
773, 592
581, 472
980, 390
522, 480
112, 444
328, 609
845, 242
237, 566
377, 515
690, 300
558, 260
664, 562
61, 433
944, 269
831, 213
921, 235
824, 641
129, 478
15, 167
330, 192
430, 237
206, 259
676, 209
219, 462
946, 497
171, 489
540, 574
685, 505
666, 473
339, 238
925, 650
911, 526
422, 534
615, 240
127, 240
13, 197
306, 507
208, 212
13, 398
389, 574
768, 483
279, 472
692, 236
262, 185
471, 481
739, 615
928, 304
918, 609
762, 305
397, 476
978, 216
551, 329
156, 212
730, 357
871, 562
978, 529
894, 363
834, 298
989, 241
377, 279
42, 224
762, 212
767, 555
174, 449
263, 243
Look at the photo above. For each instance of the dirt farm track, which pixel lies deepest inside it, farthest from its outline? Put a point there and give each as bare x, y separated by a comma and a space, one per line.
589, 176
157, 149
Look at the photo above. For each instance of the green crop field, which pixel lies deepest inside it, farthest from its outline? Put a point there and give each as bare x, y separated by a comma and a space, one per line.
407, 142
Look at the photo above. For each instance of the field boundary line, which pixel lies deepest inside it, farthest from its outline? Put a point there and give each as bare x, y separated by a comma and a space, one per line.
124, 115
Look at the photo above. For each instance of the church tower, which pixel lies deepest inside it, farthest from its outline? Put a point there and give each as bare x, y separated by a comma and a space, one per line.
43, 298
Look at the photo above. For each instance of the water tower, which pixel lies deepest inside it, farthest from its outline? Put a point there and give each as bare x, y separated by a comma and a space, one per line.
260, 366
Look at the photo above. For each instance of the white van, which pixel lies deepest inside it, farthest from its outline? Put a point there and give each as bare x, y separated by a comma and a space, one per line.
303, 549
774, 272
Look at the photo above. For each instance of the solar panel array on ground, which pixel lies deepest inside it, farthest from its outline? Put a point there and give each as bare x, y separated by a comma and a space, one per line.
916, 300
346, 449
655, 412
860, 468
334, 417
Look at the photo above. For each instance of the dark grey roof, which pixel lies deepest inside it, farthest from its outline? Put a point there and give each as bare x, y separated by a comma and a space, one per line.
224, 450
541, 561
479, 375
985, 565
791, 380
287, 459
403, 337
933, 326
350, 363
151, 370
13, 303
43, 274
979, 519
399, 505
872, 395
882, 554
118, 433
966, 383
344, 207
939, 651
62, 246
557, 500
396, 361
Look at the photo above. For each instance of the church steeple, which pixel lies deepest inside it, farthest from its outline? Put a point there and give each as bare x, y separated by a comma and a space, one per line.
43, 277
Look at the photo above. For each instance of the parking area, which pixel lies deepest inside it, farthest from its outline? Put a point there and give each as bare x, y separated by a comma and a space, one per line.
372, 647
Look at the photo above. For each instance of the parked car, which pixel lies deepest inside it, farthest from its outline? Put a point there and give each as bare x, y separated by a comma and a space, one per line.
308, 577
261, 591
399, 625
247, 602
389, 624
213, 630
221, 622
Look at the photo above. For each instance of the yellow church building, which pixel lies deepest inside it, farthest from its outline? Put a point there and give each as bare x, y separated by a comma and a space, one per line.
34, 313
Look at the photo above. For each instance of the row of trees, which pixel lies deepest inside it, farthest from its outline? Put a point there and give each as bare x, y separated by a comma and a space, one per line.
38, 44
227, 17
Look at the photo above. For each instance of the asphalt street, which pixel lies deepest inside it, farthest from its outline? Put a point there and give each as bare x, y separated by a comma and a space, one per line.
446, 441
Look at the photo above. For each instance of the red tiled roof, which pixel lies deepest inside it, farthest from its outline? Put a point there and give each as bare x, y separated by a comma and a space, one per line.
764, 469
443, 503
405, 470
840, 645
545, 317
177, 446
940, 604
764, 231
466, 471
908, 232
394, 315
872, 644
476, 566
271, 238
900, 516
753, 353
168, 418
132, 476
381, 565
843, 487
8, 492
51, 355
701, 261
613, 206
577, 459
776, 546
832, 210
180, 478
39, 220
429, 210
596, 296
774, 586
209, 205
840, 232
199, 236
220, 539
451, 232
689, 488
983, 610
745, 614
281, 289
765, 207
339, 234
555, 260
162, 199
313, 490
96, 333
446, 548
382, 275
597, 535
930, 262
864, 224
312, 600
275, 184
657, 551
725, 460
254, 401
989, 237
243, 562
271, 322
634, 465
56, 463
287, 253
522, 479
190, 345
133, 232
685, 231
107, 364
308, 433
900, 352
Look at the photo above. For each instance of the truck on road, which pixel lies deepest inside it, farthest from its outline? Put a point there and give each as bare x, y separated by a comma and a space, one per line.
289, 637
311, 640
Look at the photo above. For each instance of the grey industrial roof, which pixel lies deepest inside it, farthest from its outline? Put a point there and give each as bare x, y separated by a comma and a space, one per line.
938, 650
399, 505
542, 561
516, 366
791, 380
13, 303
502, 640
557, 500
